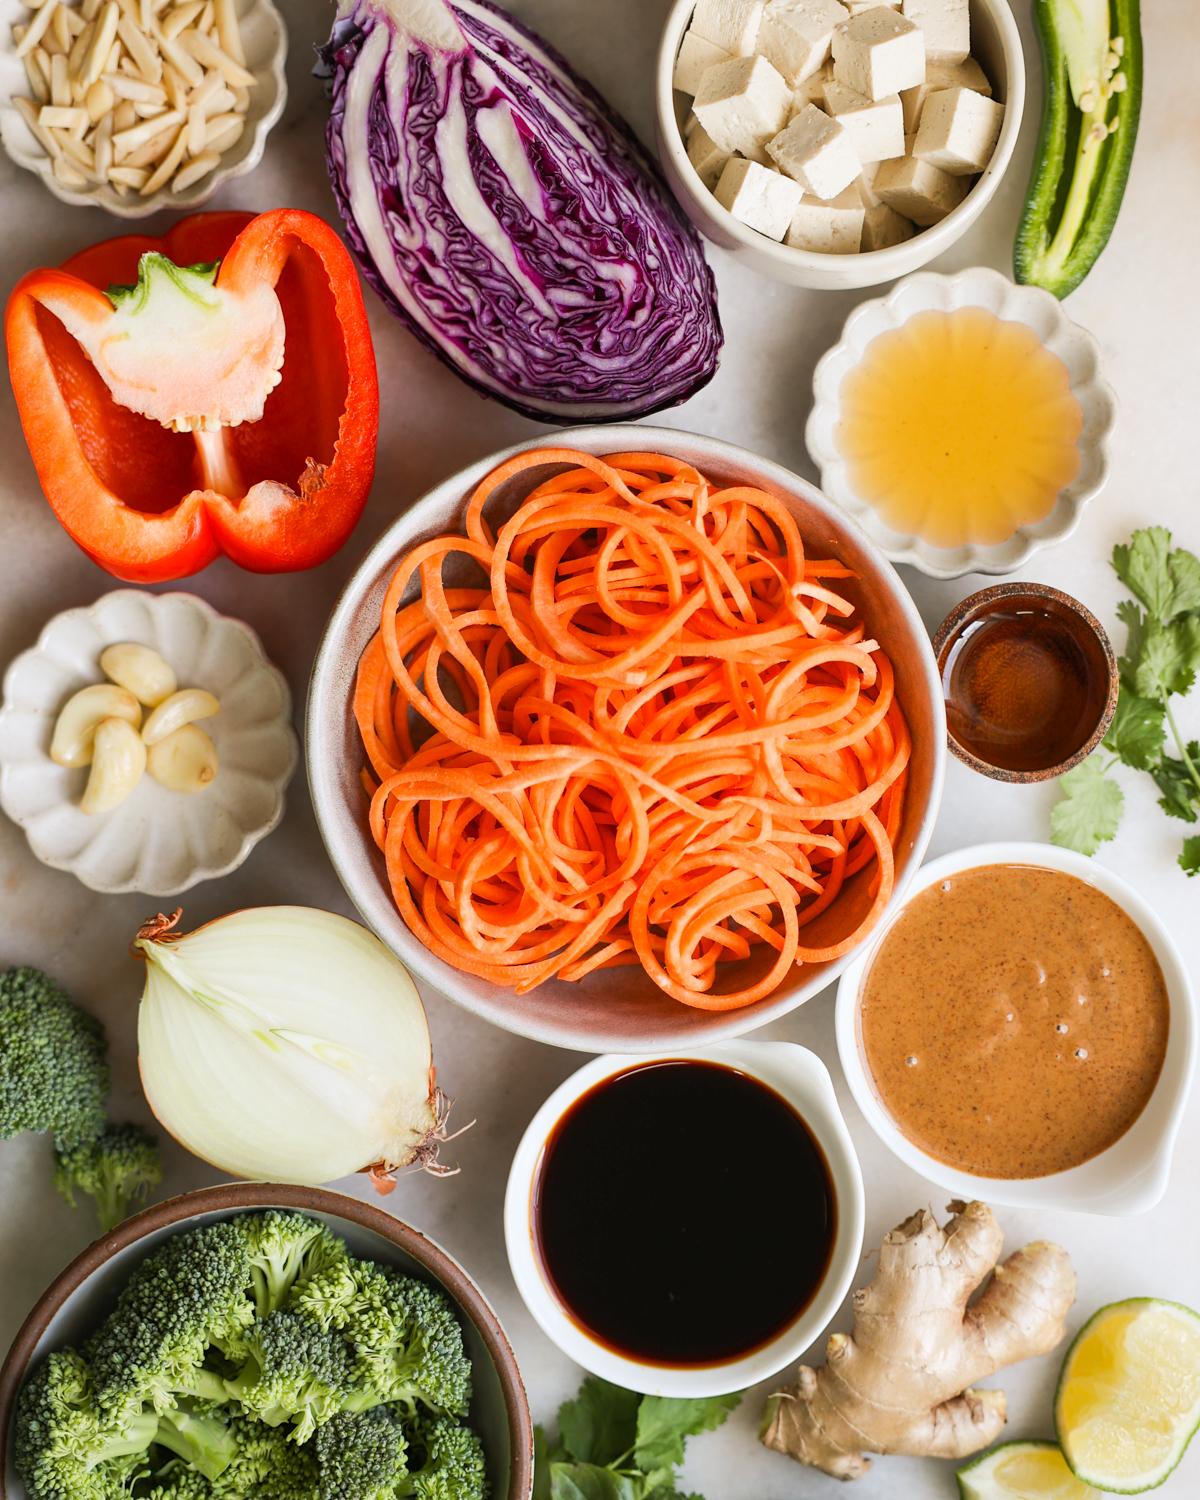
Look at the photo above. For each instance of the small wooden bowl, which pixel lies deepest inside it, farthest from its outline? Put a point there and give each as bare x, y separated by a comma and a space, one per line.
74, 1304
1050, 602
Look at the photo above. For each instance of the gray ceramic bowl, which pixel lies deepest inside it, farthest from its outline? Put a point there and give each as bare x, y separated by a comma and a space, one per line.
615, 1010
74, 1304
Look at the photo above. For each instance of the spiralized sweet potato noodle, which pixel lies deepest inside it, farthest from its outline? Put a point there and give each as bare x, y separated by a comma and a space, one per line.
671, 745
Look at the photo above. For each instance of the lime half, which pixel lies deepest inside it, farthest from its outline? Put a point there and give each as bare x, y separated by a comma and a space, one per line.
1128, 1397
1022, 1471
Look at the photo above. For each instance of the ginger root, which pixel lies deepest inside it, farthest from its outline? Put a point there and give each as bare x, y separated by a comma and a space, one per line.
902, 1384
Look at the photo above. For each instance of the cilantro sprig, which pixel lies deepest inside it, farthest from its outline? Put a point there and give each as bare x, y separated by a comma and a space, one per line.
1160, 662
616, 1445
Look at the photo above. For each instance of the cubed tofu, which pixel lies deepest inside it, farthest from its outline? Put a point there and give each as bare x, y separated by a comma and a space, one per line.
875, 126
878, 53
696, 56
812, 90
958, 131
816, 152
690, 125
830, 228
884, 227
762, 199
856, 7
917, 189
964, 75
865, 184
946, 25
707, 157
731, 25
795, 35
743, 104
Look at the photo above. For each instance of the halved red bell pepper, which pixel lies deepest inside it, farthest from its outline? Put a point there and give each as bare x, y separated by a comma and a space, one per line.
176, 435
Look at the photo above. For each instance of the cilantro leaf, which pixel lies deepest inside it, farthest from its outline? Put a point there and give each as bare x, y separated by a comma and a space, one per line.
1136, 733
541, 1464
1174, 781
591, 1482
1135, 627
1189, 859
1168, 659
664, 1422
601, 1424
1090, 810
1167, 583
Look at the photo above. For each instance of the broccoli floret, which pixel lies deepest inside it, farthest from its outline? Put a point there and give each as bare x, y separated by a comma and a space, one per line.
190, 1293
285, 1248
445, 1461
361, 1456
297, 1371
406, 1337
117, 1166
66, 1448
268, 1465
53, 1075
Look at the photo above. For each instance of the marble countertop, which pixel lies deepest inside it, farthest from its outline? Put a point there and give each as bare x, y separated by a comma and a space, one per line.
1142, 302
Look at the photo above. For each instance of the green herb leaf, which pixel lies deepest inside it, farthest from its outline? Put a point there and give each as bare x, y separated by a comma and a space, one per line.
541, 1465
601, 1424
1174, 781
1189, 859
663, 1423
1090, 810
1167, 583
1135, 629
1168, 658
591, 1482
1136, 733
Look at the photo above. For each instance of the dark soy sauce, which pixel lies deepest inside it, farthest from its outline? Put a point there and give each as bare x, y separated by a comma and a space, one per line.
683, 1213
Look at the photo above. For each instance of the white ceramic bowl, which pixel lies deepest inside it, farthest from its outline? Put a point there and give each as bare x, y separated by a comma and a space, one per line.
1131, 1176
995, 44
615, 1010
1037, 309
157, 841
264, 38
801, 1078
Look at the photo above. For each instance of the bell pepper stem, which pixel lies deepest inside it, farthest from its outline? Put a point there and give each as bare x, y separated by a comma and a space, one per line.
219, 467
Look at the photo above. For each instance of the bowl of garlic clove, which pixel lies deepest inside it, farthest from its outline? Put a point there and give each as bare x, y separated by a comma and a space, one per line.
145, 743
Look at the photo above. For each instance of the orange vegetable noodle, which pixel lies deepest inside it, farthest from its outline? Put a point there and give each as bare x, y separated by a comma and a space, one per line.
656, 735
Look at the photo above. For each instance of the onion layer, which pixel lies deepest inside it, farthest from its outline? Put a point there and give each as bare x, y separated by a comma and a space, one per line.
287, 1044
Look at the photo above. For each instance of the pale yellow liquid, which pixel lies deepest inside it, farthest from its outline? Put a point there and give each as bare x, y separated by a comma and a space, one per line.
959, 427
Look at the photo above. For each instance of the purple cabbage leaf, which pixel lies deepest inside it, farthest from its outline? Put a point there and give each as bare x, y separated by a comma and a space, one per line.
509, 217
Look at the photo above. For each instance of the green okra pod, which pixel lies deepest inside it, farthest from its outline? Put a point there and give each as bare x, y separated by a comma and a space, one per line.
1092, 54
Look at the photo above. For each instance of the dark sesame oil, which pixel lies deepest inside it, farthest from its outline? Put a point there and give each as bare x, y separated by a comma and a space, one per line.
683, 1213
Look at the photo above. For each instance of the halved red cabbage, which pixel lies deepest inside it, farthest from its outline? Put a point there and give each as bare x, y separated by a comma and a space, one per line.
509, 217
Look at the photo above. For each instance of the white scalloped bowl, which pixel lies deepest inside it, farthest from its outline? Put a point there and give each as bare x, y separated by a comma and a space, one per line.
157, 841
1037, 309
264, 39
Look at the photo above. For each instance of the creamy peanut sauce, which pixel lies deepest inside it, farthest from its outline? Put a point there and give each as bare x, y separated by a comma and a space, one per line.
1014, 1021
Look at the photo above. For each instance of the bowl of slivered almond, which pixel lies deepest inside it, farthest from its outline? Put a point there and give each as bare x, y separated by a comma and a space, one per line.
138, 105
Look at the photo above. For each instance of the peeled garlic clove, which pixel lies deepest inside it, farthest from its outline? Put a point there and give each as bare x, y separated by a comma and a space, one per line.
117, 766
140, 670
75, 729
186, 761
179, 709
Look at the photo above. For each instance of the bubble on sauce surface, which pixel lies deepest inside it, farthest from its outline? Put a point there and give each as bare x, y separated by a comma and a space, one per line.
1081, 1053
1061, 1026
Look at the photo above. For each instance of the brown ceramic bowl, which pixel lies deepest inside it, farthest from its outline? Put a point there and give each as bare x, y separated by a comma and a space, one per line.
73, 1305
616, 1010
1081, 652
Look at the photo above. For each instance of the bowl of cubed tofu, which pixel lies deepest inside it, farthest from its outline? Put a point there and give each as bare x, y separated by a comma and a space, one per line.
837, 143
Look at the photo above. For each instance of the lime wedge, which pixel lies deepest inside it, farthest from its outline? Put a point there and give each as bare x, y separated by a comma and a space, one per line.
1128, 1397
1022, 1471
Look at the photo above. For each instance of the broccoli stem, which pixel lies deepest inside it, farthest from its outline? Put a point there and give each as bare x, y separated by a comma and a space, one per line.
137, 1439
205, 1442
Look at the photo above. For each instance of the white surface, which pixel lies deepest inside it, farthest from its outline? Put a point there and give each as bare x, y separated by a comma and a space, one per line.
157, 841
803, 1080
976, 287
1131, 1177
1143, 304
264, 39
